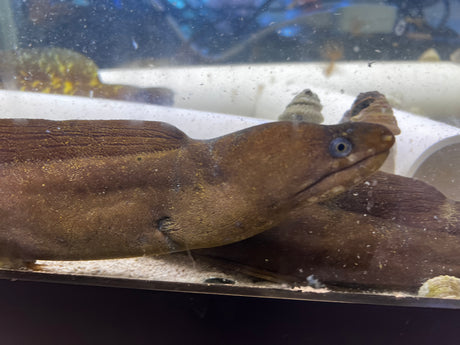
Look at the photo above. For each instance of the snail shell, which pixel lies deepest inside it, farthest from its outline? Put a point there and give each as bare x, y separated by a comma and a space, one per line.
305, 107
372, 107
441, 287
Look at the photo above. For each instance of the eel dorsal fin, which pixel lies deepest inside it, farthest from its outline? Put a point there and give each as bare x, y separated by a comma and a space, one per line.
24, 140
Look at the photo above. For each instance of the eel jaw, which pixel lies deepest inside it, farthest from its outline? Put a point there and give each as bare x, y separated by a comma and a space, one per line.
339, 181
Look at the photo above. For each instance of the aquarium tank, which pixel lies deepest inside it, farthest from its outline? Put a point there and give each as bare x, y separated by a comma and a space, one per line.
300, 149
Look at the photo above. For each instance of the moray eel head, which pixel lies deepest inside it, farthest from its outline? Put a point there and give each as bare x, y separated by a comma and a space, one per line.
285, 163
348, 155
255, 177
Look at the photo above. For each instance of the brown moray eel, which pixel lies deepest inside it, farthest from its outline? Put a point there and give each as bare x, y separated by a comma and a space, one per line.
75, 190
391, 232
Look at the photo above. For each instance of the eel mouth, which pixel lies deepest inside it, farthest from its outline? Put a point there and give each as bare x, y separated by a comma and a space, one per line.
339, 181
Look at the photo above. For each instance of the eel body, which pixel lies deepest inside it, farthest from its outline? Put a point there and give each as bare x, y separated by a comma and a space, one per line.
74, 190
390, 232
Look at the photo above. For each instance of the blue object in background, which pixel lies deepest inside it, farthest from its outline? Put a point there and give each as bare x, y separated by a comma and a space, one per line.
202, 31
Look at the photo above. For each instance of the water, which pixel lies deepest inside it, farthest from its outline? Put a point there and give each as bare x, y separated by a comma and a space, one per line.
214, 67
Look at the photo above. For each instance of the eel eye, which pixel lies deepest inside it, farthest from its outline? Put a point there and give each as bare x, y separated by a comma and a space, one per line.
340, 147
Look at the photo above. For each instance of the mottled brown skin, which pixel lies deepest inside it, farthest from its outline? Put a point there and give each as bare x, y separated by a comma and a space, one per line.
390, 232
75, 190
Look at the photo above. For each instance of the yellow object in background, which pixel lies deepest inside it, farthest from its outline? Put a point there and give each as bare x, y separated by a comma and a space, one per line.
63, 71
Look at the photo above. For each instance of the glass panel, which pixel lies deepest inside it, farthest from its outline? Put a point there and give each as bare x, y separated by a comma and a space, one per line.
298, 149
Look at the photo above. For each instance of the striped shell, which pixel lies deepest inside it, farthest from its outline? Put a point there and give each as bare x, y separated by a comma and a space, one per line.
372, 107
305, 107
